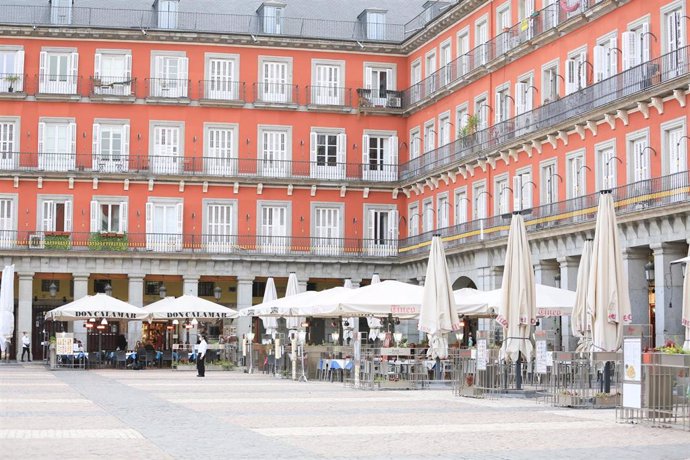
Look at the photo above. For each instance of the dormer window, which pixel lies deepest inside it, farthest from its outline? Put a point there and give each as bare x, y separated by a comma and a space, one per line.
271, 14
374, 21
61, 12
167, 13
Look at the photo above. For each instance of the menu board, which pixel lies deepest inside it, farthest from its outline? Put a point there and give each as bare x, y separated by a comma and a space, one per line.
481, 354
542, 357
64, 343
632, 360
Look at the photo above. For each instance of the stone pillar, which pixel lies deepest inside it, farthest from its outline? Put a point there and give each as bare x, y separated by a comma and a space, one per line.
136, 298
634, 260
302, 285
420, 280
569, 267
545, 273
81, 289
244, 300
25, 310
668, 282
190, 285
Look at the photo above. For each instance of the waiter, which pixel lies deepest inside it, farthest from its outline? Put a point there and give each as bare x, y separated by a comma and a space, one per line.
200, 356
26, 346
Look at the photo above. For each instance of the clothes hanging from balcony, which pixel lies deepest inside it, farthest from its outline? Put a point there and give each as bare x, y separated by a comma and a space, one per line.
569, 7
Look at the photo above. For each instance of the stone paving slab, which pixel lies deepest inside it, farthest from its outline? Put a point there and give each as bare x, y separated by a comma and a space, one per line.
165, 414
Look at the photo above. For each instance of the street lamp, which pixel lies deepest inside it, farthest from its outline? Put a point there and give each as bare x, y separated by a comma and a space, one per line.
217, 292
335, 336
649, 273
52, 289
108, 290
162, 291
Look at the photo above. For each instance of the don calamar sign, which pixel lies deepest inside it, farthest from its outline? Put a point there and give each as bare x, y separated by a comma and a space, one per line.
196, 314
105, 314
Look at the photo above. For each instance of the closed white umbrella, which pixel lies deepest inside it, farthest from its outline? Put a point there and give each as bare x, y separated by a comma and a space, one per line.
6, 306
581, 323
97, 306
685, 318
517, 311
270, 322
188, 307
373, 322
293, 322
608, 300
438, 314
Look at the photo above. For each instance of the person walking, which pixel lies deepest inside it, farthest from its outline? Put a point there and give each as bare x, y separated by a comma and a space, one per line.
200, 357
26, 346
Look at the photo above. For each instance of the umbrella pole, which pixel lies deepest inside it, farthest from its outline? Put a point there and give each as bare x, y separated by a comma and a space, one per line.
293, 360
438, 368
607, 377
518, 372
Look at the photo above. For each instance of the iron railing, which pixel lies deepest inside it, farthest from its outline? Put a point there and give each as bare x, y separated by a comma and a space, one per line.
69, 84
431, 12
12, 83
197, 243
226, 166
658, 192
540, 22
655, 72
167, 88
112, 86
375, 98
222, 91
276, 93
332, 96
118, 18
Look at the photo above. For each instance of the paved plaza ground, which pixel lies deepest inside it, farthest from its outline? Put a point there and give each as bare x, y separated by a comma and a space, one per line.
159, 414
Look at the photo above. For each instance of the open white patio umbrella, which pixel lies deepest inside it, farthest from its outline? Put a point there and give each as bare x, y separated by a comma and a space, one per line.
97, 306
270, 322
438, 315
551, 301
685, 318
581, 323
6, 306
608, 299
293, 323
188, 307
518, 308
373, 322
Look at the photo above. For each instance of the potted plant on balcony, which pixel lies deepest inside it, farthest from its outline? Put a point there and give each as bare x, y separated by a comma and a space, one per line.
469, 128
11, 79
57, 240
108, 241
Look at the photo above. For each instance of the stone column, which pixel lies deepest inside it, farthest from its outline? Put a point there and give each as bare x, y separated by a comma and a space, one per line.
545, 273
25, 310
302, 285
569, 267
668, 282
81, 289
136, 298
634, 260
244, 300
190, 285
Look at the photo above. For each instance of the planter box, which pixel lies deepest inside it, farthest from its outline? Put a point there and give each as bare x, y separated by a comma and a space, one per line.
607, 402
571, 401
471, 392
108, 242
57, 241
192, 367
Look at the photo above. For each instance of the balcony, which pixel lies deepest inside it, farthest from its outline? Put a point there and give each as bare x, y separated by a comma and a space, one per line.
130, 19
205, 166
376, 100
283, 95
329, 98
172, 90
160, 243
222, 92
650, 194
644, 78
53, 86
12, 85
116, 88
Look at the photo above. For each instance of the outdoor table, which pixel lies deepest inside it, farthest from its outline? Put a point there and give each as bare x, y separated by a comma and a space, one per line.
339, 365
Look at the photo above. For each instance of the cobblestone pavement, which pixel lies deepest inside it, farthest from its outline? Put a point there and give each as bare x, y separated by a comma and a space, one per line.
172, 414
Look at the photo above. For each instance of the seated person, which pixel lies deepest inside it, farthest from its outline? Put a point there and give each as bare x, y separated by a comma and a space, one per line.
149, 347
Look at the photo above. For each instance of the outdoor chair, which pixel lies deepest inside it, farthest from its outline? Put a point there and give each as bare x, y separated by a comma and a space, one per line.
120, 358
93, 359
150, 358
167, 357
141, 357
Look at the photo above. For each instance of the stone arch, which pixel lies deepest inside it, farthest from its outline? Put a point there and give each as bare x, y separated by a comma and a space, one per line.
464, 282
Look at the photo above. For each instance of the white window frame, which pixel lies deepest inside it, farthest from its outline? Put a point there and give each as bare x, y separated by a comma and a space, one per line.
60, 160
112, 85
274, 167
164, 242
375, 97
327, 245
415, 143
607, 176
94, 213
9, 226
636, 43
460, 202
215, 162
480, 200
381, 245
325, 170
576, 181
274, 244
632, 159
376, 25
388, 169
168, 11
605, 56
328, 94
16, 53
546, 68
272, 19
108, 163
523, 191
502, 101
47, 223
665, 10
463, 47
429, 135
219, 87
462, 115
578, 80
166, 164
413, 219
445, 57
482, 113
501, 198
214, 242
49, 83
483, 52
275, 91
547, 182
445, 135
10, 142
443, 210
163, 86
665, 128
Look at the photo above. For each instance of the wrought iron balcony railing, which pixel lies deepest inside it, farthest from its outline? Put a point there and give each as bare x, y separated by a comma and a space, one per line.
167, 88
54, 84
12, 83
112, 86
673, 189
220, 90
326, 169
118, 18
276, 93
197, 243
376, 98
329, 96
644, 77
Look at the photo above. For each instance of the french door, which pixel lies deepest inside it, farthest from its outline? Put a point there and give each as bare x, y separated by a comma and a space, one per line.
220, 159
166, 150
219, 224
221, 84
274, 233
327, 231
275, 86
327, 90
274, 161
7, 233
9, 157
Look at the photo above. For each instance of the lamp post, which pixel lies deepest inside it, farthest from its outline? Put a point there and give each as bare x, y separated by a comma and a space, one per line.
250, 339
162, 291
649, 273
108, 290
217, 292
52, 289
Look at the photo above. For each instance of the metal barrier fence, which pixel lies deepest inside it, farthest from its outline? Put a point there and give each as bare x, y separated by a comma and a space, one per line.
586, 380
